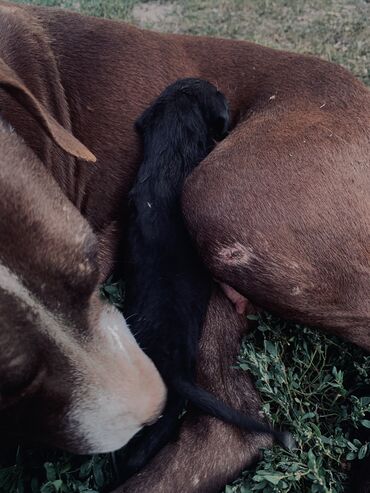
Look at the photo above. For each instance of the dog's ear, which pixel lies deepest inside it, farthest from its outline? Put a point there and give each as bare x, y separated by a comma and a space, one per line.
13, 85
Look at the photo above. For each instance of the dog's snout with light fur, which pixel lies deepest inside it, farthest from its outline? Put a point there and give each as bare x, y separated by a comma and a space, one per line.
72, 374
87, 389
86, 398
125, 390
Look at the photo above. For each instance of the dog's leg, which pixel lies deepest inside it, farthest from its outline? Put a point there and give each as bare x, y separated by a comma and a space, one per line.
209, 453
282, 216
289, 234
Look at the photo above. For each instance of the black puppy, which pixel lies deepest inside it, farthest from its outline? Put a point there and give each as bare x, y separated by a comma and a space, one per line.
168, 287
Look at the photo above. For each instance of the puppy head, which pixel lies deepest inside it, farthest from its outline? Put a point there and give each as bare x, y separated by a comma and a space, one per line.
194, 95
71, 373
213, 106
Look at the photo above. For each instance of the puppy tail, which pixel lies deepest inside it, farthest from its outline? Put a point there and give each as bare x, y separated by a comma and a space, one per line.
212, 406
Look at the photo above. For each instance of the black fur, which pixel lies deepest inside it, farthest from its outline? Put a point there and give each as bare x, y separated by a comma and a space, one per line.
168, 288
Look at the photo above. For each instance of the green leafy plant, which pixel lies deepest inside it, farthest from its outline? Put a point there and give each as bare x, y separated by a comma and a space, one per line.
50, 471
308, 384
114, 292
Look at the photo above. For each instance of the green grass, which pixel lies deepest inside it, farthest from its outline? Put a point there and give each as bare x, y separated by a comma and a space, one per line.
306, 379
308, 383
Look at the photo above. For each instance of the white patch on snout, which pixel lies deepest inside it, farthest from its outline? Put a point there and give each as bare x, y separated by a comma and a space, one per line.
127, 393
117, 340
100, 421
113, 323
115, 387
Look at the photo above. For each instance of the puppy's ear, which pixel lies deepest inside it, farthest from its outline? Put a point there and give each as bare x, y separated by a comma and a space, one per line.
221, 127
220, 119
14, 86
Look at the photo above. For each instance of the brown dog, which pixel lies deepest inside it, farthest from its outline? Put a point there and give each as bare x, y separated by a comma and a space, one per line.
72, 373
280, 211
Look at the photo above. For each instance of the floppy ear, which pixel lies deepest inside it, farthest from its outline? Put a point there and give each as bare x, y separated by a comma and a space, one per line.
16, 88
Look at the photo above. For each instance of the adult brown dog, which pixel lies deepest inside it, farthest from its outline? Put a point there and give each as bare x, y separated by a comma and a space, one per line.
280, 211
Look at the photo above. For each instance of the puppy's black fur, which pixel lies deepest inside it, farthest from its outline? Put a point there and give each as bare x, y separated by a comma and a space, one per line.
168, 288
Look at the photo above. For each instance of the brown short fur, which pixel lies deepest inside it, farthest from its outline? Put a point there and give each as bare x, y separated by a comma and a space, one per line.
280, 210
